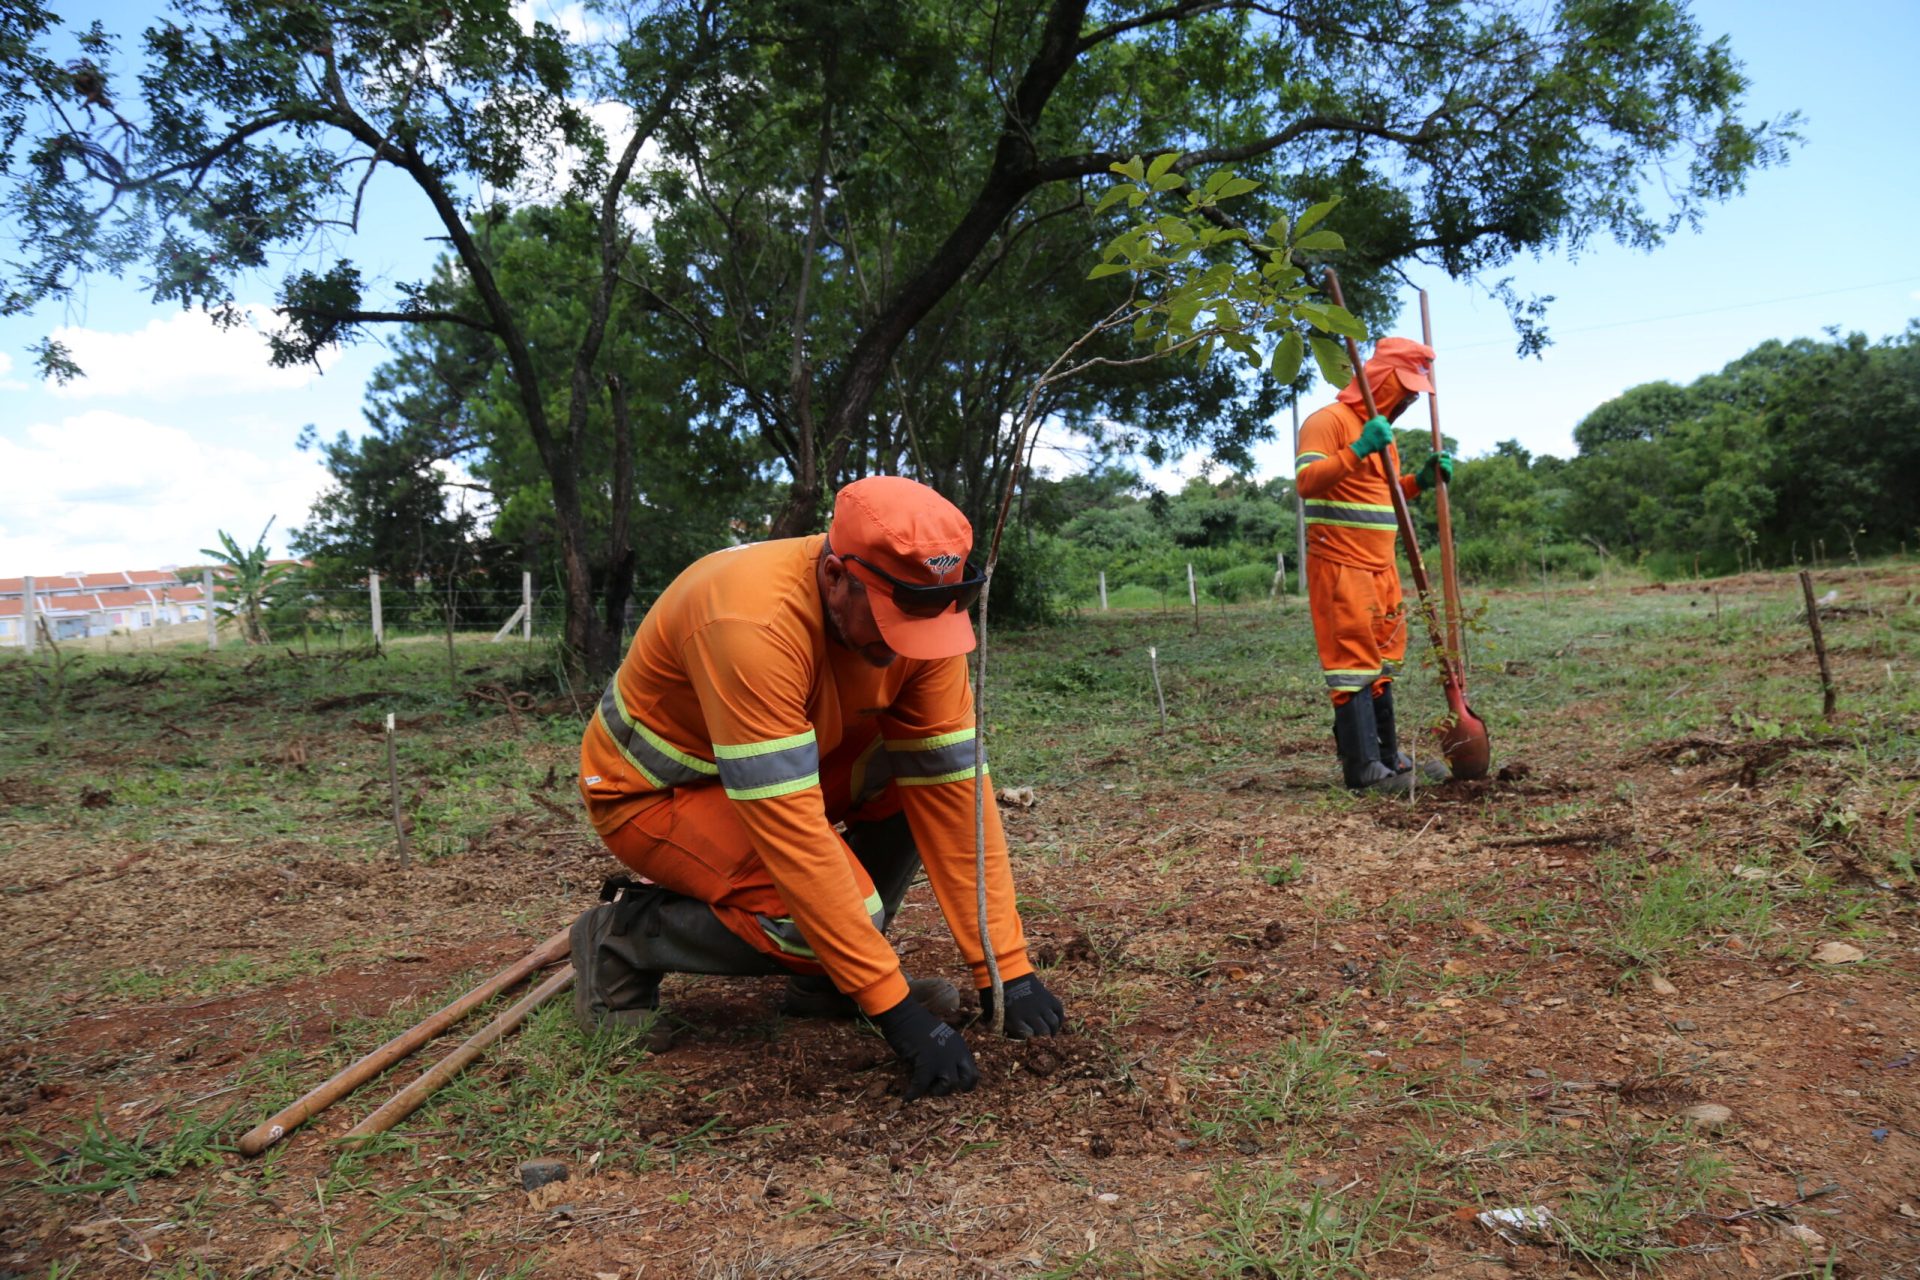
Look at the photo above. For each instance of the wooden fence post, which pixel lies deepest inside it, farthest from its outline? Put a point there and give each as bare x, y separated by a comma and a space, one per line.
1193, 596
1103, 591
1819, 645
526, 606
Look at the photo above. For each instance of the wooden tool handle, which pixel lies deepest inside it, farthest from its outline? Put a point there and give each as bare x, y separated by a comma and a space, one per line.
349, 1078
408, 1100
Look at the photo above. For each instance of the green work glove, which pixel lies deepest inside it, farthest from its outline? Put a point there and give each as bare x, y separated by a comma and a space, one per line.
1440, 462
1377, 436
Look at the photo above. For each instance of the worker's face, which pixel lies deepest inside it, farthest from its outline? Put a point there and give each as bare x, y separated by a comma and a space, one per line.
1406, 401
850, 613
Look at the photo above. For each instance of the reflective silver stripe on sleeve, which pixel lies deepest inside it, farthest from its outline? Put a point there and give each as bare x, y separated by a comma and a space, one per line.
764, 770
925, 762
654, 756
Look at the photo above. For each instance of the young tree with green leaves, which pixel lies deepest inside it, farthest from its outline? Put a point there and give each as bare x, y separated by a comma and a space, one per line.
245, 582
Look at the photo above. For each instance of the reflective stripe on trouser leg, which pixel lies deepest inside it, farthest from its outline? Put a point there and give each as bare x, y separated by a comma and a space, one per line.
694, 843
1359, 627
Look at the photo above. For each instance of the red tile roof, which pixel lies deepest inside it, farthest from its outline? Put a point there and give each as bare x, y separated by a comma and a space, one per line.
103, 581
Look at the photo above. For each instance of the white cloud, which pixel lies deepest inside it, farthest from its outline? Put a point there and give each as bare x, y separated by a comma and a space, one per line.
178, 356
100, 491
6, 383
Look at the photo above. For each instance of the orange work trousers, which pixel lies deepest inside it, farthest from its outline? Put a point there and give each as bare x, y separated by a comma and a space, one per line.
1359, 625
694, 843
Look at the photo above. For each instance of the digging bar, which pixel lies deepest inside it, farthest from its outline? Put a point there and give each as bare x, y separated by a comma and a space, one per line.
1464, 742
349, 1078
408, 1100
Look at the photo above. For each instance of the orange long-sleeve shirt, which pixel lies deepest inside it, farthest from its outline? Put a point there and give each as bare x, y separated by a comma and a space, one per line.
1348, 507
731, 681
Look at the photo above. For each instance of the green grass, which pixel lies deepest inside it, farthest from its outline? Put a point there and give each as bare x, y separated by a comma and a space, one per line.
1673, 909
1270, 1091
98, 1160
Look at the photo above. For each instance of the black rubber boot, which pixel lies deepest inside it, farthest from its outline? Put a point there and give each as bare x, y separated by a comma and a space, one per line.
621, 948
1358, 740
1432, 769
886, 849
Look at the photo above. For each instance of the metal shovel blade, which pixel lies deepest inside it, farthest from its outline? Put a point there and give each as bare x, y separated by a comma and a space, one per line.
1463, 740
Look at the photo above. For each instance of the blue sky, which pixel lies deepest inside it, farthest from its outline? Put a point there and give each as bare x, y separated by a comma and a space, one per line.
181, 431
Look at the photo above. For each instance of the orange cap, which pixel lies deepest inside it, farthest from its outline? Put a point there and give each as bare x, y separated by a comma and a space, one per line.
1399, 360
906, 531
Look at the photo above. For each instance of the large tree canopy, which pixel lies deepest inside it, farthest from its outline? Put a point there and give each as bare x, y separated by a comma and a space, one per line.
868, 216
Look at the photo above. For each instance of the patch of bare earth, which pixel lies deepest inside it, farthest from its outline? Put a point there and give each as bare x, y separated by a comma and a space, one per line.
1493, 1045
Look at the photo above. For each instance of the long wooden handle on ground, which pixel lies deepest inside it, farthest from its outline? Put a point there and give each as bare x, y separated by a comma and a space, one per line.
1443, 512
408, 1100
276, 1127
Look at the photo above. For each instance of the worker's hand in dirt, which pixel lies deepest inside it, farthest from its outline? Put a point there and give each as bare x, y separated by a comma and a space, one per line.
1377, 435
938, 1060
1032, 1010
1440, 462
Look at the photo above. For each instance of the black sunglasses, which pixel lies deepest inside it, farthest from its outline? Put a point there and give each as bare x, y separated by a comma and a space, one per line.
921, 600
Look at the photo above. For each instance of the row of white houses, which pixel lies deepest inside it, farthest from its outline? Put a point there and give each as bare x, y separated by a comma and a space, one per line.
98, 604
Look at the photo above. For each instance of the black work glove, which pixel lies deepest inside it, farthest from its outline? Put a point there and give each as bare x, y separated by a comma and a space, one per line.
1032, 1010
936, 1055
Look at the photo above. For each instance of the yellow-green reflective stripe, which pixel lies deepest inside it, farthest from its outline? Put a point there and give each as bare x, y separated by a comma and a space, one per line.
627, 755
745, 750
1308, 459
659, 760
671, 752
930, 744
776, 767
956, 776
786, 935
774, 789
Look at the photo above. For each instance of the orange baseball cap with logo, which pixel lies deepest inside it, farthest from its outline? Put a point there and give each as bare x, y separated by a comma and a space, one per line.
909, 546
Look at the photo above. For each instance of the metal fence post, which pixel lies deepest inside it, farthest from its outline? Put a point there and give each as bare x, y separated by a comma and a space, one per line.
30, 615
526, 604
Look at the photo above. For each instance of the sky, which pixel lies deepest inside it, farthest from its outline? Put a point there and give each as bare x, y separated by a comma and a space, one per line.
182, 430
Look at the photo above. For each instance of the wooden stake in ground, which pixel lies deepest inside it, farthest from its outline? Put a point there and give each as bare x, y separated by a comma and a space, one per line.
409, 1100
1153, 656
393, 786
1819, 645
345, 1081
1193, 596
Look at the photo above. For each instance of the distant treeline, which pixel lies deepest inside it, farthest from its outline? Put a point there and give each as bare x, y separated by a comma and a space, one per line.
1794, 450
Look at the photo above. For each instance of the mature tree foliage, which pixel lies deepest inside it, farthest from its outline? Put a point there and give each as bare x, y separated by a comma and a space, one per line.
1792, 447
841, 182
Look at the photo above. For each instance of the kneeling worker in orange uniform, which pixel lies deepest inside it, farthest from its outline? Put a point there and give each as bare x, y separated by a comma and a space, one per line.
773, 691
1353, 584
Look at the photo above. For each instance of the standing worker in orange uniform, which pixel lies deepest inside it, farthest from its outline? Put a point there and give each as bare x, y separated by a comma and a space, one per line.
1353, 584
773, 691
